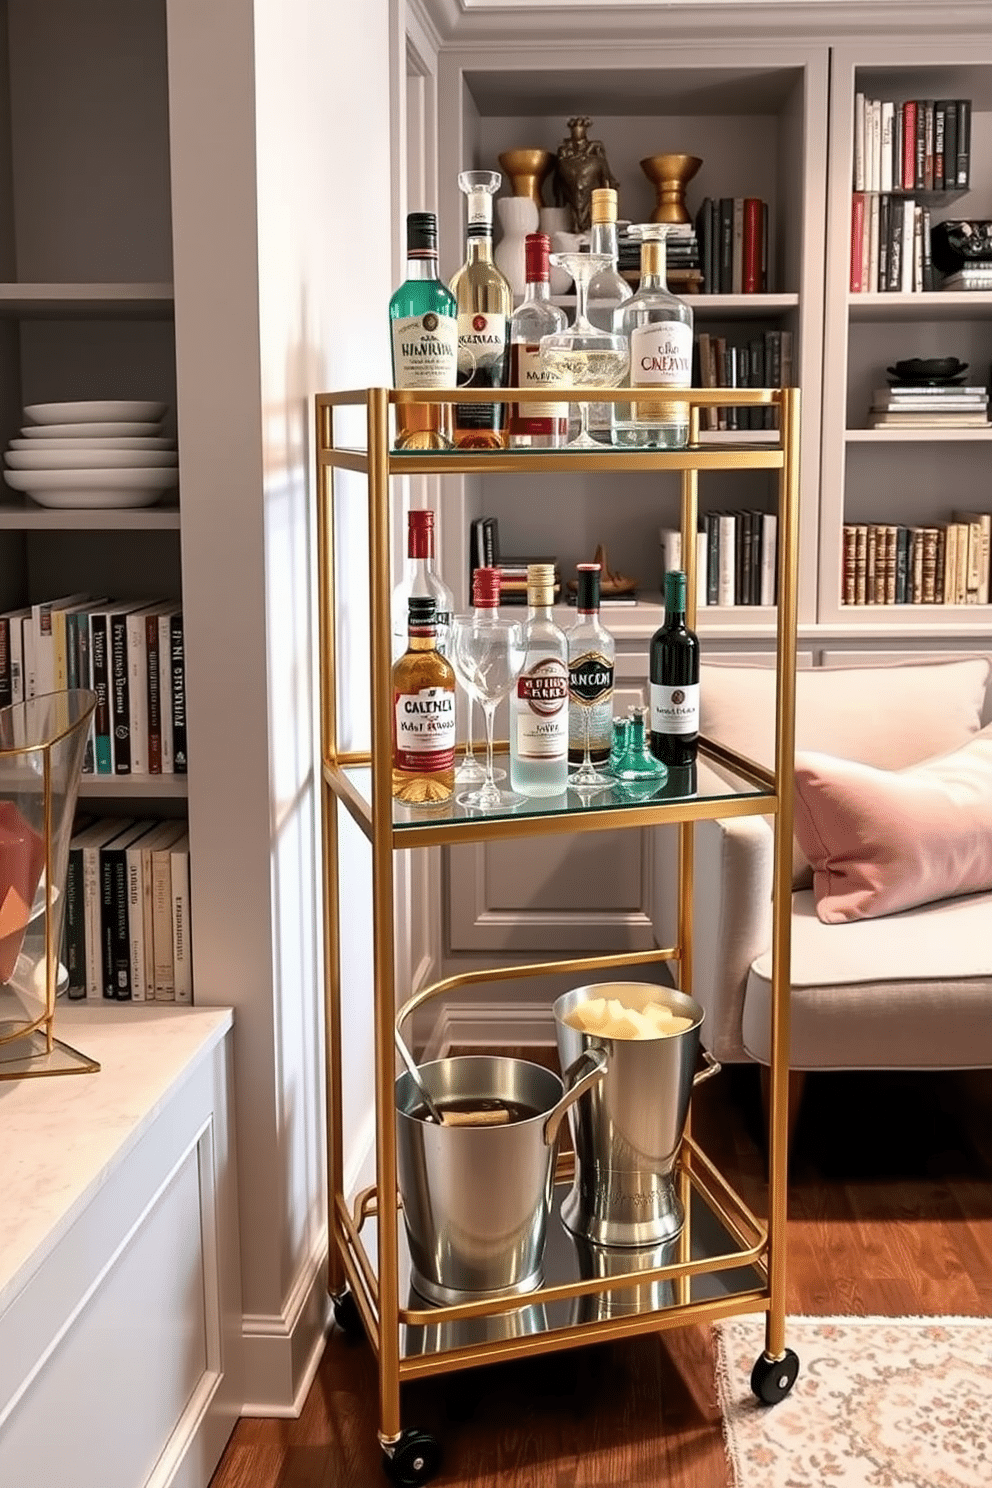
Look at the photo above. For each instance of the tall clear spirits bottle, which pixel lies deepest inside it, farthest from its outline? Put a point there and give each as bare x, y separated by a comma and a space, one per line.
424, 323
539, 702
608, 290
674, 667
421, 578
535, 425
591, 657
658, 326
423, 714
485, 303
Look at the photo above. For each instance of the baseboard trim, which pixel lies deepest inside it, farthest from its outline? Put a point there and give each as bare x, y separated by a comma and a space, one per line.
282, 1350
489, 1024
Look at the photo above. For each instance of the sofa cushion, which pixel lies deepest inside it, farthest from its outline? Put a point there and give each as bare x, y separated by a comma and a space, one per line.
908, 991
888, 716
885, 840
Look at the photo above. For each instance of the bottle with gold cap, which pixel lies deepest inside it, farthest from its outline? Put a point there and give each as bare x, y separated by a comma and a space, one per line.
539, 702
658, 326
608, 290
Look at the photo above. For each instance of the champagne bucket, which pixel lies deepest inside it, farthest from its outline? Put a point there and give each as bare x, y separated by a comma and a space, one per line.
476, 1199
628, 1131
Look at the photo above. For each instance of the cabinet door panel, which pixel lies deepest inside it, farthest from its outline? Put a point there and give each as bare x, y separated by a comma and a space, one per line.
557, 894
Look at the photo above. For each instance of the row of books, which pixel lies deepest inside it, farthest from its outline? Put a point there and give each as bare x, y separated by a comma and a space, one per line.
890, 245
126, 928
131, 653
908, 407
947, 563
763, 361
922, 144
733, 244
736, 557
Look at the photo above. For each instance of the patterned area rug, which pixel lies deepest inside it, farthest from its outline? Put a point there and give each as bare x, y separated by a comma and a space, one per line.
879, 1403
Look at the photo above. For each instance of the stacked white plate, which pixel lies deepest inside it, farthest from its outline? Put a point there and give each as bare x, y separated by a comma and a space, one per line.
99, 454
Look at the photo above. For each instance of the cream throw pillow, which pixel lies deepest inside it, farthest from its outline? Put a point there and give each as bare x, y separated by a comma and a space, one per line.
886, 716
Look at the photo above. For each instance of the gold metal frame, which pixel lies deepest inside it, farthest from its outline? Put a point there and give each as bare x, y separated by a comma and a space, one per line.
375, 1286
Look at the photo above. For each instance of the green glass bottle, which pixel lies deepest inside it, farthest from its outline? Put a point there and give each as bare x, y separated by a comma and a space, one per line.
424, 323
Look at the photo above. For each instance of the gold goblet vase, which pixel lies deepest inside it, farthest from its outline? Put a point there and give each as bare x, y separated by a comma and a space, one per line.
670, 175
527, 171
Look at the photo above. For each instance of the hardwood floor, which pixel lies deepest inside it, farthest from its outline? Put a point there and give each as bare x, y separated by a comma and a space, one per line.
890, 1212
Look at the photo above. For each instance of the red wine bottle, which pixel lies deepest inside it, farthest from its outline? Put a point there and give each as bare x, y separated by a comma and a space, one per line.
674, 680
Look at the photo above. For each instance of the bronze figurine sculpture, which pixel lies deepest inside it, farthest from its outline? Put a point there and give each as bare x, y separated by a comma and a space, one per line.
580, 167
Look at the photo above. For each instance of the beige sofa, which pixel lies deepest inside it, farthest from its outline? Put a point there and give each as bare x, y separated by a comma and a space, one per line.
908, 990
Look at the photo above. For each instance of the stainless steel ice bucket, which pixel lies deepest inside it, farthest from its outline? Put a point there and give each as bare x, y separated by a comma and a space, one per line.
476, 1198
627, 1131
617, 1260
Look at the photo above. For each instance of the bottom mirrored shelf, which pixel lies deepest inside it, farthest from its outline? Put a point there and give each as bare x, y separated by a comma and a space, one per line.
569, 1259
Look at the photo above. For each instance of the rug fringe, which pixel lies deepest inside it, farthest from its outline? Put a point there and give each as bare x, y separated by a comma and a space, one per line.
723, 1391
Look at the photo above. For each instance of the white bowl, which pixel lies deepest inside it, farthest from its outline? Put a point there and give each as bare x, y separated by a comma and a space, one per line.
150, 442
114, 429
49, 458
92, 412
93, 488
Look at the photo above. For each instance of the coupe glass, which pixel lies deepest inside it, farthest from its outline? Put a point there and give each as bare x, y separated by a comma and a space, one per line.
581, 356
488, 657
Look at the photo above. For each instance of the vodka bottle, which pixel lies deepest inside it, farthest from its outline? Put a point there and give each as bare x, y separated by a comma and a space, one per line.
539, 702
535, 425
674, 680
424, 324
485, 301
421, 578
658, 326
607, 291
591, 655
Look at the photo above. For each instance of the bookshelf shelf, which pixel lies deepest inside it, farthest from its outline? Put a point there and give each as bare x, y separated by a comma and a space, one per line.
25, 517
69, 299
938, 305
927, 435
134, 787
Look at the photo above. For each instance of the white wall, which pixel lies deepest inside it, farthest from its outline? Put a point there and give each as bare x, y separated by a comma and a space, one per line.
281, 210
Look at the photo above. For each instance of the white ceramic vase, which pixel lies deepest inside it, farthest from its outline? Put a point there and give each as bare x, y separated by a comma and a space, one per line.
518, 216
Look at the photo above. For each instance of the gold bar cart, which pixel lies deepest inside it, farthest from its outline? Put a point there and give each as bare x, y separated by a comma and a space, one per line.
729, 1262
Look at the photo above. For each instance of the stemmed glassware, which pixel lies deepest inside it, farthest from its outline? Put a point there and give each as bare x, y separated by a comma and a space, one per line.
587, 777
468, 771
581, 356
488, 656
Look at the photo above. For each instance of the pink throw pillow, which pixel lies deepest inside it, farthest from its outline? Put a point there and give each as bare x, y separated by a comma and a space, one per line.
885, 840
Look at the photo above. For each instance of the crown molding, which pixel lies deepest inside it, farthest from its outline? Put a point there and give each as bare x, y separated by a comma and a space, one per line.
476, 21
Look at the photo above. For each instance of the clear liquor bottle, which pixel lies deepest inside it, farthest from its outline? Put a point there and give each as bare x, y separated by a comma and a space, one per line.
423, 318
658, 326
591, 657
539, 702
421, 578
535, 425
423, 714
608, 290
674, 667
485, 303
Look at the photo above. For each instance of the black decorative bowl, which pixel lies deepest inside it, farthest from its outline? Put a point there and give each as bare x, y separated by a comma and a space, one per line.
928, 369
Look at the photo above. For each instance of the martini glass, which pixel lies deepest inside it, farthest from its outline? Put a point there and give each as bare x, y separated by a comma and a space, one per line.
582, 356
488, 656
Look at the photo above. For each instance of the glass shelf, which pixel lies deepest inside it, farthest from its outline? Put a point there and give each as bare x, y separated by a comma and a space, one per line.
569, 1259
708, 789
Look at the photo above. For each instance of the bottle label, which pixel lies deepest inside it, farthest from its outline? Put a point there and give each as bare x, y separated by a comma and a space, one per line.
425, 729
590, 677
661, 355
531, 373
541, 709
425, 351
675, 710
483, 362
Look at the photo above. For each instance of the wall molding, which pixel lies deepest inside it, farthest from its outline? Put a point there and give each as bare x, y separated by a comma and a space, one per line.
492, 1023
281, 1351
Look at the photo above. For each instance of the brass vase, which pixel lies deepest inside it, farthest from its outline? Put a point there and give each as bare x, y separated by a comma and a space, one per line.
670, 175
527, 171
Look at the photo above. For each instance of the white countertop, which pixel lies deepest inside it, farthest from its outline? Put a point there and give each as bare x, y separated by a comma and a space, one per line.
60, 1136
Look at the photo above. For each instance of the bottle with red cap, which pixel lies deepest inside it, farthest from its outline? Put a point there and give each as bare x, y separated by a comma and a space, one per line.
421, 580
535, 425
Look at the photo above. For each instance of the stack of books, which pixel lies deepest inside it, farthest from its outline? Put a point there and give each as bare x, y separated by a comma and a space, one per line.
733, 244
682, 265
922, 407
973, 276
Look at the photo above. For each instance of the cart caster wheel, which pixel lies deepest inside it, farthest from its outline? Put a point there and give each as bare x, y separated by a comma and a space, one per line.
772, 1379
346, 1314
414, 1459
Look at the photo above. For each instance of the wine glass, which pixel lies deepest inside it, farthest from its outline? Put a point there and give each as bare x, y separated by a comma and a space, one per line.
468, 771
488, 656
587, 777
582, 356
